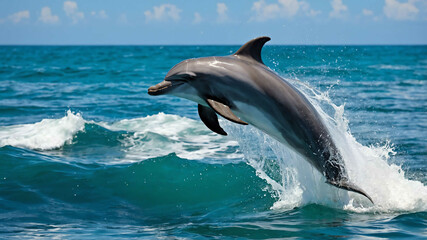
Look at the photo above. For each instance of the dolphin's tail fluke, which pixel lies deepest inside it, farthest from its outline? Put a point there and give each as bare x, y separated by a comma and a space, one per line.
350, 187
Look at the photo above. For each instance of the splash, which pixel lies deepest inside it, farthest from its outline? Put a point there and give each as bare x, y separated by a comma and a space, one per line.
294, 182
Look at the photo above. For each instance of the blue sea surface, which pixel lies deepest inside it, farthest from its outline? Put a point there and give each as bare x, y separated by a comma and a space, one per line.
86, 153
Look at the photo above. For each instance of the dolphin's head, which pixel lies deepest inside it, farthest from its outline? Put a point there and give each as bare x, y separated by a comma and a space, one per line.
177, 80
196, 79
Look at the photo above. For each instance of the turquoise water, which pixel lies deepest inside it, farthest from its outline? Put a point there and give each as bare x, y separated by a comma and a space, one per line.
85, 152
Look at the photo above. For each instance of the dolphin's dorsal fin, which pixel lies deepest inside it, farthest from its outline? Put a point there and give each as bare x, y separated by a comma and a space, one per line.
252, 49
210, 119
225, 111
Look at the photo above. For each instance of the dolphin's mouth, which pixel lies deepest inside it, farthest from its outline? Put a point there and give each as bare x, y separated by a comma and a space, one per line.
163, 87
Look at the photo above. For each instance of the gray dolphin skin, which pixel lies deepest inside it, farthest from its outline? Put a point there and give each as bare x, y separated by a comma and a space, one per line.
243, 90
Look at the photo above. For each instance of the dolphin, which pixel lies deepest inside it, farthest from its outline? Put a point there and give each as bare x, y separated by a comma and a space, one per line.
242, 89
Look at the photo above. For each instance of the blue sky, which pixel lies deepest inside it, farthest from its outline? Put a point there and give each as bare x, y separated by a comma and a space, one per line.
213, 22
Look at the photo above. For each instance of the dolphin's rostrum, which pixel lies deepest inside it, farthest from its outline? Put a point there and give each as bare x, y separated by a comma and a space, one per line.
243, 90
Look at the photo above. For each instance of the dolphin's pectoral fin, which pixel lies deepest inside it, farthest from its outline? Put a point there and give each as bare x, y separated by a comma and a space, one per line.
252, 49
225, 111
210, 119
350, 187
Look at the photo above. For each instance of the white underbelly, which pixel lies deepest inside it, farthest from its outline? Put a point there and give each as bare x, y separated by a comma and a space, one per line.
258, 119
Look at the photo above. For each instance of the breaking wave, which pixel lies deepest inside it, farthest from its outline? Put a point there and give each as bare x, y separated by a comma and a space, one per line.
292, 181
138, 139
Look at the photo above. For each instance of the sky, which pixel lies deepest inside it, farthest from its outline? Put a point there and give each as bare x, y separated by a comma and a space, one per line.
210, 22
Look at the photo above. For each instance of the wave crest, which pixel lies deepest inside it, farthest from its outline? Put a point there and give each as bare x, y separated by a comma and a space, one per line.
162, 134
125, 141
47, 134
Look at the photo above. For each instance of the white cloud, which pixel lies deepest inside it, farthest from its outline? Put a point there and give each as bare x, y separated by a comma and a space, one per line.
18, 16
47, 17
197, 18
283, 8
393, 9
305, 6
289, 7
100, 14
222, 9
123, 19
367, 12
71, 10
338, 9
265, 11
163, 13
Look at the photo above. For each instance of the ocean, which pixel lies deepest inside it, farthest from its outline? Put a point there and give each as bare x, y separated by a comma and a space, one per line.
86, 153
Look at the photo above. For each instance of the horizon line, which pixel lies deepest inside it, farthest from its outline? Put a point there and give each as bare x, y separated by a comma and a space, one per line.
205, 45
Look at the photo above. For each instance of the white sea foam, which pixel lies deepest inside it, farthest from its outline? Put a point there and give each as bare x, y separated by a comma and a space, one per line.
45, 135
84, 68
148, 137
294, 182
162, 134
390, 67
